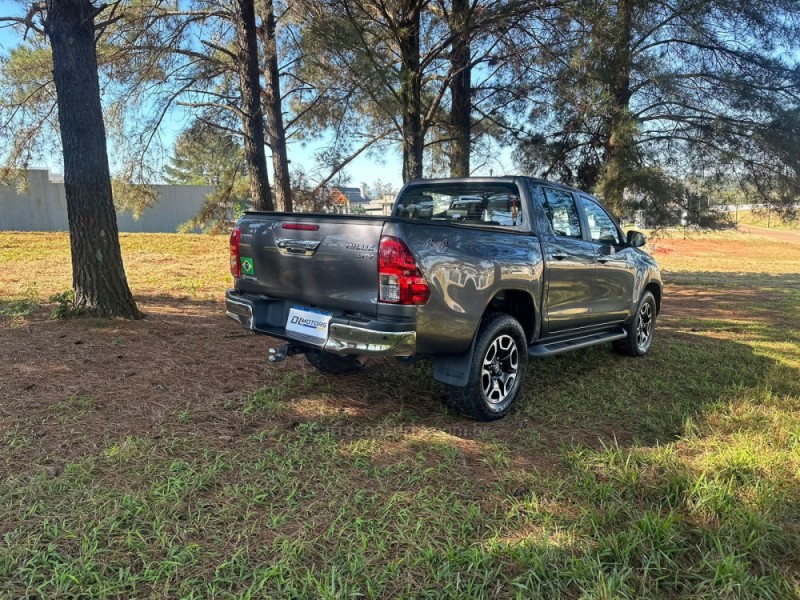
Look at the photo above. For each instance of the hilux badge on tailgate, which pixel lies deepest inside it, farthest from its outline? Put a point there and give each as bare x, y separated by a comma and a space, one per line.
364, 250
361, 247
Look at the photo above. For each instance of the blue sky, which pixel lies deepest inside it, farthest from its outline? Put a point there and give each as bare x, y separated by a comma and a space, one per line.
362, 169
8, 8
386, 166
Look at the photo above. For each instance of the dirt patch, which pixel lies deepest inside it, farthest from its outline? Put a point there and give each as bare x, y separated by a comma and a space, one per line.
72, 387
122, 378
756, 249
788, 236
708, 303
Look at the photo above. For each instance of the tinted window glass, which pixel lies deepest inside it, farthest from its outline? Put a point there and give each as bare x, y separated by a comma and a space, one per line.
475, 204
601, 227
562, 212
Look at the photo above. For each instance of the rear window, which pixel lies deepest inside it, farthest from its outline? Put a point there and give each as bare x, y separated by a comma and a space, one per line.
482, 205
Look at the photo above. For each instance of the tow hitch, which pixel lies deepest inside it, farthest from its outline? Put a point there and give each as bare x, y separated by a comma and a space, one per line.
285, 351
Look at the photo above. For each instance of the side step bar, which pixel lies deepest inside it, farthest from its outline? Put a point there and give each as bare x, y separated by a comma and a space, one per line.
552, 348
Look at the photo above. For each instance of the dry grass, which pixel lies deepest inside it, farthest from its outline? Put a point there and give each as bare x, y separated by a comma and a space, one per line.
764, 219
728, 259
194, 266
167, 458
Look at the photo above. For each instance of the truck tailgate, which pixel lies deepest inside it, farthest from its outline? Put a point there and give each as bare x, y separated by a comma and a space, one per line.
321, 260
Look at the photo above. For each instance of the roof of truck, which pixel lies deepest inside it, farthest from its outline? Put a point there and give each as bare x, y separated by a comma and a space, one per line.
510, 179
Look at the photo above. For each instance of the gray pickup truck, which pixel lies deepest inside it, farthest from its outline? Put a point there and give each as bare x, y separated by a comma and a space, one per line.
477, 273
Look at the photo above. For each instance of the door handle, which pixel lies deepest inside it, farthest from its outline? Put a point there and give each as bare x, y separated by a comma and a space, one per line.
559, 255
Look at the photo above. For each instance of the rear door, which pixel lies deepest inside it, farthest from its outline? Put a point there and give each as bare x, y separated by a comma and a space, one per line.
571, 262
328, 261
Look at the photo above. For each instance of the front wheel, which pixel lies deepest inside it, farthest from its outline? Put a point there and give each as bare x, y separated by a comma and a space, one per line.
497, 371
641, 330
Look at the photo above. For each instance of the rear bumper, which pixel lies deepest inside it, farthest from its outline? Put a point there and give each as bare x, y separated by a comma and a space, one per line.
344, 336
239, 309
347, 339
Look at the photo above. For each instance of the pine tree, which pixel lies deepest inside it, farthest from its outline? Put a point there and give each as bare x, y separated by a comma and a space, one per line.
205, 155
645, 97
98, 275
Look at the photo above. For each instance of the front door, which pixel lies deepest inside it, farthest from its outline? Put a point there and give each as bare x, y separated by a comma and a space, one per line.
615, 275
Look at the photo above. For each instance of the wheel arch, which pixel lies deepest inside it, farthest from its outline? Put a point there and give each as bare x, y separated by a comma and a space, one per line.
654, 288
454, 369
518, 304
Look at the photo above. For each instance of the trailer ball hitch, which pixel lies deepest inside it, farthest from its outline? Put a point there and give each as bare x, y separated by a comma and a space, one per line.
285, 351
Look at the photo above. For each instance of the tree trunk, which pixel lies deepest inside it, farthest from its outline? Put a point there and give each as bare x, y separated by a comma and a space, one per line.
620, 148
411, 91
272, 97
460, 89
98, 275
253, 118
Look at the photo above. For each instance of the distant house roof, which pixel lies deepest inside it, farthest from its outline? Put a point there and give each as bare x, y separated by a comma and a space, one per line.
354, 195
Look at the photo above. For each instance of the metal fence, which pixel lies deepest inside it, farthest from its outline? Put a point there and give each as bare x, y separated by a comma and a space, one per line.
43, 206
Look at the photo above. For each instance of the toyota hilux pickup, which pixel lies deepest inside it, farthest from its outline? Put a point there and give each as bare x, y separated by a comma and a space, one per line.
479, 274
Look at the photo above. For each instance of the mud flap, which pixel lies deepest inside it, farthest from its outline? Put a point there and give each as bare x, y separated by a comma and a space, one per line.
453, 369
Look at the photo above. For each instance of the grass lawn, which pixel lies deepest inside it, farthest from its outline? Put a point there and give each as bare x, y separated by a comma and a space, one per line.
165, 458
764, 219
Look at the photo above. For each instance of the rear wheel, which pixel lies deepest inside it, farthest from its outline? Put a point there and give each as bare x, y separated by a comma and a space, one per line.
325, 362
497, 371
641, 330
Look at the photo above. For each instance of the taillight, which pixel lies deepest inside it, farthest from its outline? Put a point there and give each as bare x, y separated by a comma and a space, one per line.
400, 281
236, 266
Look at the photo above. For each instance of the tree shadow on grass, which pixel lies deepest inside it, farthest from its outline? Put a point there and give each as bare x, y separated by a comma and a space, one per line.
749, 282
366, 480
592, 503
586, 396
188, 350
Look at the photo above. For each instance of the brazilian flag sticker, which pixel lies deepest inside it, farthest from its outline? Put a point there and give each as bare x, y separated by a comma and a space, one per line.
247, 265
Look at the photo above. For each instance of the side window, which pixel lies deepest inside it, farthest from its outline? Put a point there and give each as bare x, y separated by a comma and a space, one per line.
562, 212
601, 226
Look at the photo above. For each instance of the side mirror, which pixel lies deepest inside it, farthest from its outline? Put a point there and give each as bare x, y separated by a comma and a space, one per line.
636, 239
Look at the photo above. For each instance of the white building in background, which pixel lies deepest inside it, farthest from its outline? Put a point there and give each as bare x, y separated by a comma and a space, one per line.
380, 206
42, 206
356, 200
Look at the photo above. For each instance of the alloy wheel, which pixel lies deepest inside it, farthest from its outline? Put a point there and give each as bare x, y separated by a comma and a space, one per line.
644, 329
499, 370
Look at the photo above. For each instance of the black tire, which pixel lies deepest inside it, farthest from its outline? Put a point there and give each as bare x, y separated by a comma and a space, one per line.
641, 330
325, 362
489, 394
